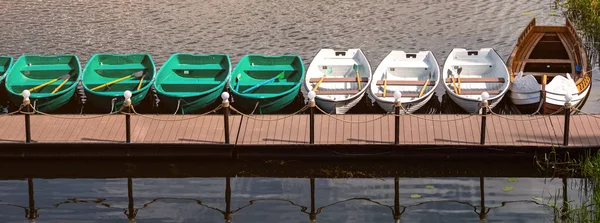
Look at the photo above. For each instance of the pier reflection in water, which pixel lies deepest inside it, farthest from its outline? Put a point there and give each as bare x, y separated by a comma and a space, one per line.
242, 199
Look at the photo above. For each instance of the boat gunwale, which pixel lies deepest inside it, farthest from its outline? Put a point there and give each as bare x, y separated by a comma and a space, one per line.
35, 95
275, 95
116, 93
156, 83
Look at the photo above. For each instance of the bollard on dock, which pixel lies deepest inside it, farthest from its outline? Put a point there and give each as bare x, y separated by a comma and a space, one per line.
225, 97
484, 106
312, 104
27, 106
127, 105
568, 98
397, 104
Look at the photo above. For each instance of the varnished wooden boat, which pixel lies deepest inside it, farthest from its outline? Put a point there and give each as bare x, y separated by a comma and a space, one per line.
550, 60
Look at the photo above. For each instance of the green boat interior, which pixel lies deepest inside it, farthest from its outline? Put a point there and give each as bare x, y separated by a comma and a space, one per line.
32, 71
106, 68
258, 69
192, 74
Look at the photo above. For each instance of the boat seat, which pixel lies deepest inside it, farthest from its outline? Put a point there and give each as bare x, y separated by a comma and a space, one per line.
477, 80
459, 62
338, 92
132, 66
339, 80
198, 67
2, 70
279, 68
478, 92
53, 67
406, 83
338, 61
407, 64
404, 94
179, 82
547, 61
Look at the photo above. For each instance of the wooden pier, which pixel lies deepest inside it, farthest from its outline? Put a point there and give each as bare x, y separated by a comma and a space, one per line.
363, 129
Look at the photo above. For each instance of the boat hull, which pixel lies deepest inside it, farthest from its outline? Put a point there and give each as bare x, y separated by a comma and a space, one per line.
31, 71
188, 104
410, 107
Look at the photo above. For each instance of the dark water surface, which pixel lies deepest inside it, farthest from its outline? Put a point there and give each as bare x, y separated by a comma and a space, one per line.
272, 27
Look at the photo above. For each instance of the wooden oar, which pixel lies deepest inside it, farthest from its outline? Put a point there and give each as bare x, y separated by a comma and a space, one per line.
355, 67
459, 70
141, 80
61, 84
453, 81
327, 72
136, 74
278, 77
385, 83
425, 85
49, 82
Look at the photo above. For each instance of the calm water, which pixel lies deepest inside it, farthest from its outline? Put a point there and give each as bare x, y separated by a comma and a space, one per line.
272, 27
278, 200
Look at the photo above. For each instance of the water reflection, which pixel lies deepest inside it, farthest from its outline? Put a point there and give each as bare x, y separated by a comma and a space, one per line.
268, 206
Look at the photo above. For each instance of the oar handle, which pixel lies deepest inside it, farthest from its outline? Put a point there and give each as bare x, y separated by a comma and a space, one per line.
60, 86
358, 80
454, 85
424, 86
43, 85
140, 84
112, 82
319, 83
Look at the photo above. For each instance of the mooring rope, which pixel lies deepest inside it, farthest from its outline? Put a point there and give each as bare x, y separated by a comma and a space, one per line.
466, 116
346, 121
267, 119
195, 116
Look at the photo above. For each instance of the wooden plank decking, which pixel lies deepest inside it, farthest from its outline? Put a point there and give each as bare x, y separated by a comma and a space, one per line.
457, 130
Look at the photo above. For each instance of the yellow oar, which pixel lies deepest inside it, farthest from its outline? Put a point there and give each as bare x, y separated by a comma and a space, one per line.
327, 72
355, 67
137, 74
385, 83
459, 70
61, 84
47, 83
453, 81
425, 85
141, 80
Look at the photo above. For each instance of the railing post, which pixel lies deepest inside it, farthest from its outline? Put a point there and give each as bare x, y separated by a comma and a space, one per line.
127, 104
312, 104
225, 97
27, 106
568, 98
397, 104
543, 94
484, 111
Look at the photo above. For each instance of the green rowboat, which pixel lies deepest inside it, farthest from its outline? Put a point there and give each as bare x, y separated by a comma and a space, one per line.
271, 81
52, 80
133, 72
190, 82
